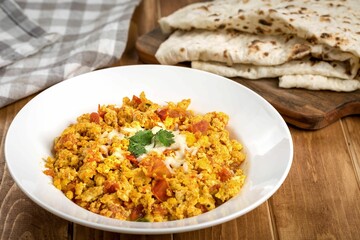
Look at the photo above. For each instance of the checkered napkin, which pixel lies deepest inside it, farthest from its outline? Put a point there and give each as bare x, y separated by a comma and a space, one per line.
43, 42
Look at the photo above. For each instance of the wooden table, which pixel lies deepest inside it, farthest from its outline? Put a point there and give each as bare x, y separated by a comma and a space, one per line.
320, 199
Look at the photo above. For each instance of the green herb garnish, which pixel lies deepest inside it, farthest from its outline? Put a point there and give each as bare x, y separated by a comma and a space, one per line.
164, 137
143, 138
139, 141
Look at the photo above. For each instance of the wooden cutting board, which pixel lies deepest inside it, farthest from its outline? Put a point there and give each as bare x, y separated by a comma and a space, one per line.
302, 108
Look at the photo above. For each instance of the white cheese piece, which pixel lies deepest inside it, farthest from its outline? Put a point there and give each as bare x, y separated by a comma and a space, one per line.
114, 133
132, 130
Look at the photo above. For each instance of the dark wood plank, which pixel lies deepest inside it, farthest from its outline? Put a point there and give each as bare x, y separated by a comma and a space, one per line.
168, 7
254, 225
299, 107
320, 197
148, 13
352, 137
147, 45
81, 232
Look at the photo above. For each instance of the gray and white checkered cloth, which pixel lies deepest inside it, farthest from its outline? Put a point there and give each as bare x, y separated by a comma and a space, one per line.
43, 42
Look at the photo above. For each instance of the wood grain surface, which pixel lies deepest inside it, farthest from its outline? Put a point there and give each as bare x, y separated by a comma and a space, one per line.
299, 107
318, 200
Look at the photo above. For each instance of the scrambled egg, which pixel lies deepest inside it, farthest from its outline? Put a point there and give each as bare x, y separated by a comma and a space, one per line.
197, 172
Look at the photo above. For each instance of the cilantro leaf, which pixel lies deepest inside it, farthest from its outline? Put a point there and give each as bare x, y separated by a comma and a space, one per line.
136, 149
139, 141
143, 138
164, 137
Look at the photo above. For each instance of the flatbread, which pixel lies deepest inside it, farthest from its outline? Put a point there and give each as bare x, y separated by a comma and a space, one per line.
296, 79
233, 47
295, 67
315, 82
335, 23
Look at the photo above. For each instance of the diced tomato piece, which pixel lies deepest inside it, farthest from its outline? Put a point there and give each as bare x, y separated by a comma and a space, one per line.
111, 187
225, 174
155, 167
201, 126
159, 189
175, 113
163, 113
49, 172
136, 100
132, 159
94, 117
160, 169
137, 212
202, 207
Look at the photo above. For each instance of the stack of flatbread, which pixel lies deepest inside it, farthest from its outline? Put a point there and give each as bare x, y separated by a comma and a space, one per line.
304, 43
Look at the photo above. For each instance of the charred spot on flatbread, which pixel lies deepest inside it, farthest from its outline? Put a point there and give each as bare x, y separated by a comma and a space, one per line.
265, 22
299, 50
254, 46
289, 6
312, 39
260, 30
271, 10
214, 15
203, 8
325, 18
325, 35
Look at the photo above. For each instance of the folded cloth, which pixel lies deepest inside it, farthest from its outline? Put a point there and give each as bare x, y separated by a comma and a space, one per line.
44, 42
19, 35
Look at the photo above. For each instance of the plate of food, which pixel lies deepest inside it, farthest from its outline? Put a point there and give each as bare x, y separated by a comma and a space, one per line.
301, 57
148, 149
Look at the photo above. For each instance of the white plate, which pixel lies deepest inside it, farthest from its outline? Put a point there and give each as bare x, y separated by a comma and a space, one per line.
253, 121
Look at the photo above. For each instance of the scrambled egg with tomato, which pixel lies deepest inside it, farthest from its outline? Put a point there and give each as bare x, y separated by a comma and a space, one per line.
144, 162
